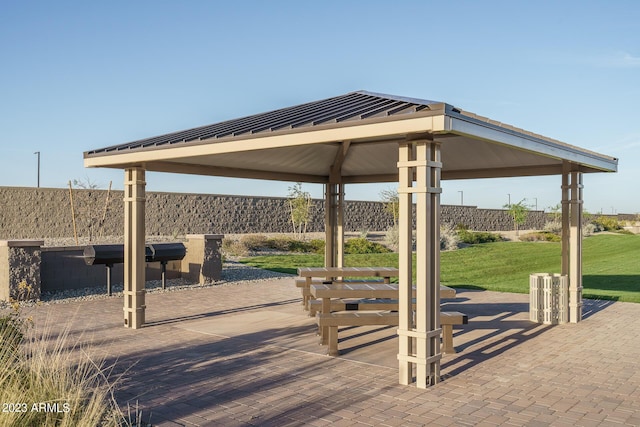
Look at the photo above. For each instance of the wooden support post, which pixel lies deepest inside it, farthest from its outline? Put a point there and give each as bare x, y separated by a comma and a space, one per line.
565, 218
426, 330
329, 226
575, 245
134, 248
340, 227
405, 278
428, 263
334, 225
572, 237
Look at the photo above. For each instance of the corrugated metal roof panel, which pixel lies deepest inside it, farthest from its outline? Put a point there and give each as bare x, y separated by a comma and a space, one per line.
352, 106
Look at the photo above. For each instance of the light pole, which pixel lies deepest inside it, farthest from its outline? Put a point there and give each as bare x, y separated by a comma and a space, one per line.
509, 195
461, 197
38, 153
536, 199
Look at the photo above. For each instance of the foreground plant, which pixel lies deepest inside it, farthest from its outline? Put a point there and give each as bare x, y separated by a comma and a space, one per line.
52, 380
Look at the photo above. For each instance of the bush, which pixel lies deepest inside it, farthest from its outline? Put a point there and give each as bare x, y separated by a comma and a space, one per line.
316, 246
11, 337
449, 239
364, 246
475, 237
391, 238
589, 229
541, 236
607, 223
553, 227
47, 369
254, 242
232, 247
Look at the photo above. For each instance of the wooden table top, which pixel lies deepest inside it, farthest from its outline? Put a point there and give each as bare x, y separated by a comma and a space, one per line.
348, 272
367, 290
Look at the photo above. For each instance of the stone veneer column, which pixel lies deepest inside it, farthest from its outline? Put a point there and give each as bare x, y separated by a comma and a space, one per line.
203, 261
20, 263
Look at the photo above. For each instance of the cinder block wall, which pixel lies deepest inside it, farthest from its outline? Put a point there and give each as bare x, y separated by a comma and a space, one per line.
20, 265
46, 213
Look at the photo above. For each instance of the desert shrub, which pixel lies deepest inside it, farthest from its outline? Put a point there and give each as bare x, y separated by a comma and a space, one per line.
280, 243
233, 247
316, 245
391, 238
588, 229
607, 223
290, 244
449, 239
541, 236
254, 242
553, 227
474, 237
364, 246
11, 336
40, 367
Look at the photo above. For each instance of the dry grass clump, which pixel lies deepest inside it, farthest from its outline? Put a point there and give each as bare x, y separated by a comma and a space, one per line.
252, 243
49, 379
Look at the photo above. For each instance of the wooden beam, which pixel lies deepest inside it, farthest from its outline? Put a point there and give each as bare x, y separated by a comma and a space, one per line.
385, 129
335, 173
550, 169
176, 167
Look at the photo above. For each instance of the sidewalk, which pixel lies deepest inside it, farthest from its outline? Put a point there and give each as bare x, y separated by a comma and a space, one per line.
247, 354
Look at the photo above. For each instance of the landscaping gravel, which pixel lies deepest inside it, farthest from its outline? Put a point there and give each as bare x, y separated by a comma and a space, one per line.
233, 273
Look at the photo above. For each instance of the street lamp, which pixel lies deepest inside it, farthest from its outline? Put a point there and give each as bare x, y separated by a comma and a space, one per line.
38, 153
461, 197
509, 195
536, 199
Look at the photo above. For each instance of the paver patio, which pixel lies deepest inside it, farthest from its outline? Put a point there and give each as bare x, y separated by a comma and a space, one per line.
246, 354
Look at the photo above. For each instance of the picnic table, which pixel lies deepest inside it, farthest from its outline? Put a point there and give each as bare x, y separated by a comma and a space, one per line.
330, 274
362, 290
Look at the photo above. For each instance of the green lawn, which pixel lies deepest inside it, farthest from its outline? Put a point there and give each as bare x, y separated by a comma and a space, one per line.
611, 267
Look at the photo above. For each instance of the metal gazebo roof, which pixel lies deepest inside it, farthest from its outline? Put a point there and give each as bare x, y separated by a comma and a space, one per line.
303, 143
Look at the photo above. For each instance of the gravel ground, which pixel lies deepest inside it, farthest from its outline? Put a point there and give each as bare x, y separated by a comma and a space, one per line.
233, 273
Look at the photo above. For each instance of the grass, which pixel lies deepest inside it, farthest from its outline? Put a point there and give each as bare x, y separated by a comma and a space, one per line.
610, 265
49, 379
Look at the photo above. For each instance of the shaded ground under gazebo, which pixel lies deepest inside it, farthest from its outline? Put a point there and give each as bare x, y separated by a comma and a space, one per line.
363, 137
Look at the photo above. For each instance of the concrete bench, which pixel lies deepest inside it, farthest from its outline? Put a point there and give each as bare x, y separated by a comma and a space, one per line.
373, 318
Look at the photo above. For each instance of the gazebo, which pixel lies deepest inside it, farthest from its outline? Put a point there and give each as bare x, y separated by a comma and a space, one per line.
363, 137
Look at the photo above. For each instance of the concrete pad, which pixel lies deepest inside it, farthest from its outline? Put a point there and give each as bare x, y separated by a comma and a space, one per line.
248, 355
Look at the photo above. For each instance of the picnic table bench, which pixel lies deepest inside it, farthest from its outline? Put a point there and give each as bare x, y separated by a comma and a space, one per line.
329, 321
350, 304
365, 318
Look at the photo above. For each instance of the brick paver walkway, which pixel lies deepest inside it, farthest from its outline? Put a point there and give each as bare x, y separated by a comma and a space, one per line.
246, 354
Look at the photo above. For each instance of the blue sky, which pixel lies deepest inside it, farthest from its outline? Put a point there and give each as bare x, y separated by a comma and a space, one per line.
82, 75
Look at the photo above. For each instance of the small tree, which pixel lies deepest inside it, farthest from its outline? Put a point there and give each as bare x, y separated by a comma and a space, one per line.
519, 212
87, 211
391, 203
300, 209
